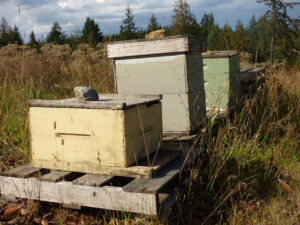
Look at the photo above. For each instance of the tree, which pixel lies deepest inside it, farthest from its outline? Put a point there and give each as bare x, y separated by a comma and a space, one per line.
56, 35
280, 27
91, 33
206, 24
153, 25
5, 32
32, 41
212, 38
183, 21
252, 37
239, 38
263, 41
128, 29
225, 38
16, 36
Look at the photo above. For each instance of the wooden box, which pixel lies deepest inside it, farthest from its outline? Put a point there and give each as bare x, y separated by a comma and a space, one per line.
170, 66
221, 70
116, 131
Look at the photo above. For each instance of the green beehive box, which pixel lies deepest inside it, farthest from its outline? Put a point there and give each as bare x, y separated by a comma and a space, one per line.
171, 66
221, 70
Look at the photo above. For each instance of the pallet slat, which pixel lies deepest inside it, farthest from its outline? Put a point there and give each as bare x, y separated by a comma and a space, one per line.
94, 180
163, 177
22, 171
55, 176
107, 197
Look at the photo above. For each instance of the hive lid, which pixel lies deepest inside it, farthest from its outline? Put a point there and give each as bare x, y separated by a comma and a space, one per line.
106, 101
219, 54
166, 45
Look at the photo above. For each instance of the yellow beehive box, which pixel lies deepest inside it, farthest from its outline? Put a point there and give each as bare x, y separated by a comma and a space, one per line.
116, 131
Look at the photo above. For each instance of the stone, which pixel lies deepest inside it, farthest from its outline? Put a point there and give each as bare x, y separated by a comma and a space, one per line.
155, 34
86, 94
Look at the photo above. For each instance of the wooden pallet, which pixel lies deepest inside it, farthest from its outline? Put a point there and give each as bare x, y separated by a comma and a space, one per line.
135, 195
174, 142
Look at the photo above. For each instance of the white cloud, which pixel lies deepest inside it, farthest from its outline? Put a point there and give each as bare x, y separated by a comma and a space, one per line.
39, 15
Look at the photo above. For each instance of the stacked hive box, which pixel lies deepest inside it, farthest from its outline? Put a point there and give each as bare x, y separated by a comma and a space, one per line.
170, 66
221, 70
86, 136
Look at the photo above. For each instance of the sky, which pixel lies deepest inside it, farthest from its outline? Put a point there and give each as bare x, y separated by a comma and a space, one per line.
39, 15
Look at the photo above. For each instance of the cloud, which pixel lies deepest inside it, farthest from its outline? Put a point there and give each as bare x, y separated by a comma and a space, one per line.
39, 15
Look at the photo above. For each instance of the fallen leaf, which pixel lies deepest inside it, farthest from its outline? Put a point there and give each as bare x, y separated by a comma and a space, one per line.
285, 186
44, 222
9, 212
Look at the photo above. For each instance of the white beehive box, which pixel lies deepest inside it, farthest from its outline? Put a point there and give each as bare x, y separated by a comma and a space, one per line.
117, 131
171, 66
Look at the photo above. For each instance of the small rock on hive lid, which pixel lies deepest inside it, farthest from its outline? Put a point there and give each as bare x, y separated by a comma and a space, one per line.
86, 94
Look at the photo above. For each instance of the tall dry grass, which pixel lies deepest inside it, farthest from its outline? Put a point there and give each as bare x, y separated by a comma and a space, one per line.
48, 73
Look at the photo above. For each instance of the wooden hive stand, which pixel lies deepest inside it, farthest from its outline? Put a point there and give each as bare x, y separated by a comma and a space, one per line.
150, 193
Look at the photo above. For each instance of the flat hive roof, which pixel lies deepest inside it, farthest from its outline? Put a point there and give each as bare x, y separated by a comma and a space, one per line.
219, 54
106, 101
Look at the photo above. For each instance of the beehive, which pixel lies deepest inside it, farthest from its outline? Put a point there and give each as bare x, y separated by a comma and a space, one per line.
116, 131
170, 66
221, 70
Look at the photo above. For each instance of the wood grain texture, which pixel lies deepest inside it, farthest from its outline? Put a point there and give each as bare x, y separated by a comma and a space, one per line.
55, 176
107, 197
22, 171
167, 45
106, 101
219, 54
163, 177
94, 180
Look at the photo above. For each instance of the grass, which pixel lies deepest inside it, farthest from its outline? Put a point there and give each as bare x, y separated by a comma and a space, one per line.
252, 172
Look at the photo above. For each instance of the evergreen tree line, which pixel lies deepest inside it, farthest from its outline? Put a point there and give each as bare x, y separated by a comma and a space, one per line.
273, 37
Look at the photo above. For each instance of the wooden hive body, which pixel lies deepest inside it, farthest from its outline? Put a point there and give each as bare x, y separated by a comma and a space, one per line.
221, 70
168, 66
82, 137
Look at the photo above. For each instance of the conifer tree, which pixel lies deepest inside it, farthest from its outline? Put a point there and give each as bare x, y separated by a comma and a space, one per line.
153, 25
206, 24
128, 29
5, 32
225, 38
212, 38
56, 35
183, 21
239, 41
16, 36
281, 42
252, 36
32, 41
91, 33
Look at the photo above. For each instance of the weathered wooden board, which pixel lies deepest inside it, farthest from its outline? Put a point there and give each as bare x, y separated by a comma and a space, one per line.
107, 197
167, 45
94, 180
55, 176
106, 101
22, 171
220, 54
166, 175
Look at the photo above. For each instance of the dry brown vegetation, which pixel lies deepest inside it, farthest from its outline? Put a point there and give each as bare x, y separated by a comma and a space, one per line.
252, 172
